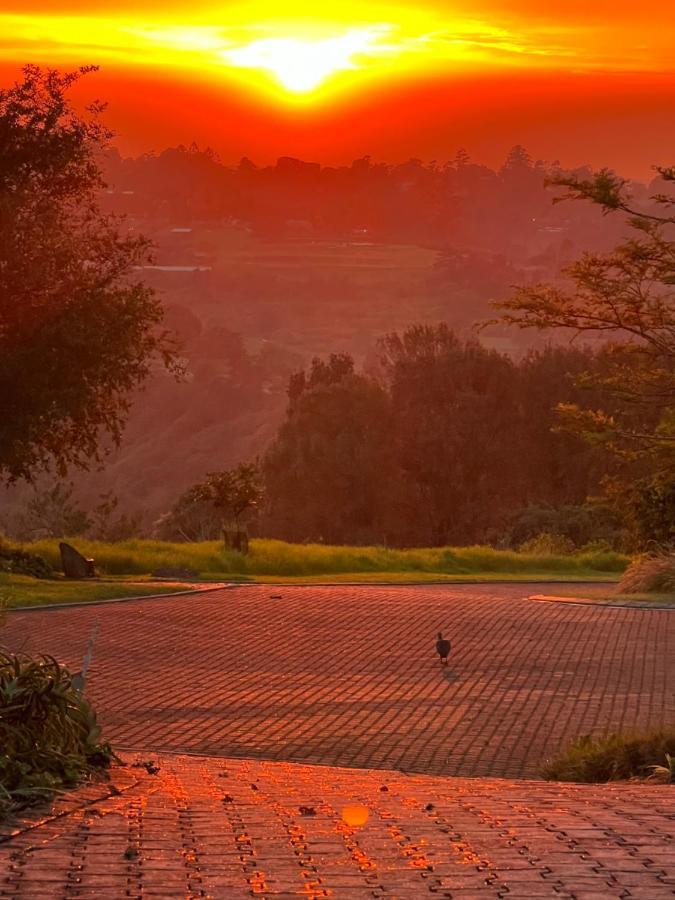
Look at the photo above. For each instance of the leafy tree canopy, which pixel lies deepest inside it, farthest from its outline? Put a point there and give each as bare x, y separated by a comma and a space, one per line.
234, 492
78, 330
627, 297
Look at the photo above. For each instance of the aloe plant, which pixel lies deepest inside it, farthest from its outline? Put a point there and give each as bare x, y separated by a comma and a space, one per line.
664, 774
49, 736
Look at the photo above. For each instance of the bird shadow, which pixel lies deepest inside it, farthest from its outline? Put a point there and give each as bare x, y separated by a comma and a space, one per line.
449, 676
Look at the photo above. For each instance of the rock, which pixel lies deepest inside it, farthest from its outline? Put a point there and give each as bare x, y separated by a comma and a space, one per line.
173, 572
74, 564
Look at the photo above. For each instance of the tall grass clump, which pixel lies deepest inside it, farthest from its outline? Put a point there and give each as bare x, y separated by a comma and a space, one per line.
278, 558
141, 557
49, 738
615, 757
653, 573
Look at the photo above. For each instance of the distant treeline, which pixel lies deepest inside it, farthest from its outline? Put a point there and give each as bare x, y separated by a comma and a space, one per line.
458, 201
447, 443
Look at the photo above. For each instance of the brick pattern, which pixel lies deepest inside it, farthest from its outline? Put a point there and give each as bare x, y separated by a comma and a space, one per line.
214, 828
348, 675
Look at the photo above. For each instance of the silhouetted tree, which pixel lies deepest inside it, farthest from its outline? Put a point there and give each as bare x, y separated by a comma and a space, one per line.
626, 297
78, 330
328, 473
234, 493
454, 406
445, 445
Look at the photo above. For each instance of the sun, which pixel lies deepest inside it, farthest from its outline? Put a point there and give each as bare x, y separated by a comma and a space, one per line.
301, 65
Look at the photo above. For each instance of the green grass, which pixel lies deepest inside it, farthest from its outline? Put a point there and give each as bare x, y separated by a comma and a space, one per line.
603, 596
615, 757
278, 560
23, 590
417, 578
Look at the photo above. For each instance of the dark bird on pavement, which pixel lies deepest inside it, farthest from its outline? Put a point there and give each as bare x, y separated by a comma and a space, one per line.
443, 648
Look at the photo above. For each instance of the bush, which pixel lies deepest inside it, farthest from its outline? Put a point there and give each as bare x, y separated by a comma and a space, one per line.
18, 562
49, 738
582, 525
547, 544
615, 757
650, 574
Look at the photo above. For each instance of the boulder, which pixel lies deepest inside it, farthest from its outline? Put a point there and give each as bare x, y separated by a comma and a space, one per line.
74, 564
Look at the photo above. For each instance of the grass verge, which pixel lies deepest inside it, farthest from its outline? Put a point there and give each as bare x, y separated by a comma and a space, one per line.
24, 590
278, 560
606, 597
421, 578
616, 757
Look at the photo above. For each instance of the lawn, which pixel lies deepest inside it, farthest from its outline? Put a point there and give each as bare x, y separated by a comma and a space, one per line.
606, 597
23, 590
277, 560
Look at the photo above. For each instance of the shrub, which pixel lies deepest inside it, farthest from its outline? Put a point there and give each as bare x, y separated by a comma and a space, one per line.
615, 757
18, 562
547, 544
651, 573
49, 738
583, 525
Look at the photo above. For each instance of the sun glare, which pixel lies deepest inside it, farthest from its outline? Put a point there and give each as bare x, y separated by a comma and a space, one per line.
300, 66
309, 56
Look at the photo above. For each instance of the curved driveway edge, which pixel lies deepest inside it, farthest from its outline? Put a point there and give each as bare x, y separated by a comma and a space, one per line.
36, 607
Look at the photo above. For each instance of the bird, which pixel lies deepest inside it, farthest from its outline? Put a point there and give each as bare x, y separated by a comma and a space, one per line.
443, 648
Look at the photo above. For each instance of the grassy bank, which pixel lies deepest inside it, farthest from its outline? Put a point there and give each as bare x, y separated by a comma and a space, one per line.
275, 559
605, 596
616, 757
23, 590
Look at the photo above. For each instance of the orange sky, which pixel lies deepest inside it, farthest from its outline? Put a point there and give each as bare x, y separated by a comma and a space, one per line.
579, 81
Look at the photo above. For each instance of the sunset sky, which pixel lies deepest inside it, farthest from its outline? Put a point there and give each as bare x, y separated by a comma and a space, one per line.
580, 81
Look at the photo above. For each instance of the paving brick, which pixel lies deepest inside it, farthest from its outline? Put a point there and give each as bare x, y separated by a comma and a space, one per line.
348, 676
477, 844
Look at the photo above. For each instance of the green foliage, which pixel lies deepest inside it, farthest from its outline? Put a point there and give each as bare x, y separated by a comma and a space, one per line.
234, 492
56, 512
439, 446
18, 591
51, 512
328, 475
615, 757
651, 573
547, 544
664, 774
78, 330
626, 297
652, 508
223, 498
270, 558
17, 561
580, 525
49, 738
191, 518
107, 524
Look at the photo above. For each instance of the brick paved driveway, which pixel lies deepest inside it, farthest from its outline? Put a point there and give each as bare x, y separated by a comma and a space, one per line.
228, 830
348, 676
